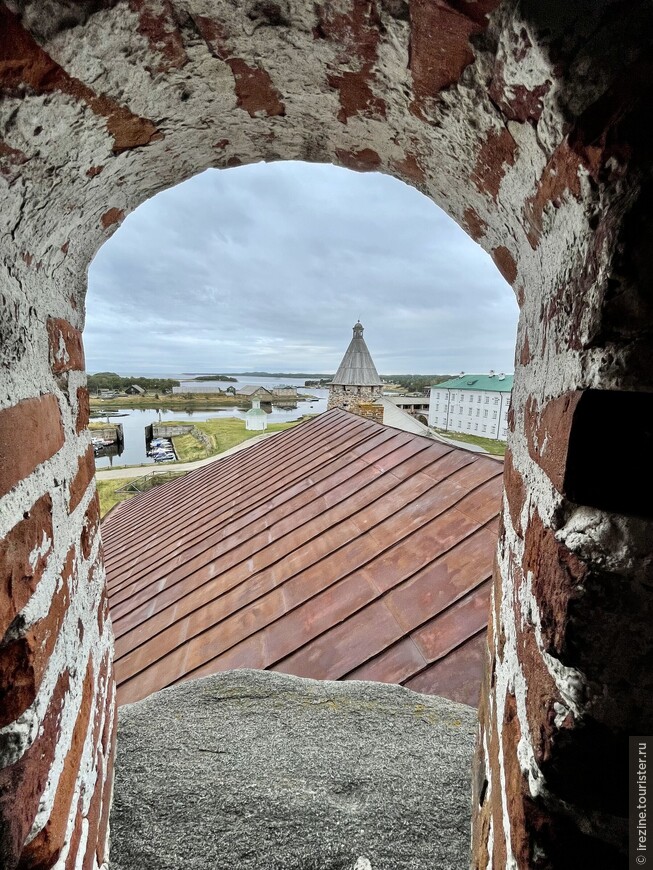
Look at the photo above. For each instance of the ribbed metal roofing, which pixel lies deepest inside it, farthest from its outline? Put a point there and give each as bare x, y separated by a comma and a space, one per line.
338, 549
357, 368
490, 383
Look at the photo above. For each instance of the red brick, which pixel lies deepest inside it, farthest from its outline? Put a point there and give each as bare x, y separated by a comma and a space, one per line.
103, 829
495, 154
516, 787
366, 160
83, 409
18, 577
44, 850
517, 102
548, 431
560, 178
30, 433
73, 847
161, 30
410, 169
95, 807
112, 216
254, 89
558, 577
440, 46
23, 783
103, 607
66, 348
542, 694
505, 263
81, 481
91, 526
498, 858
356, 95
24, 660
473, 224
515, 491
525, 355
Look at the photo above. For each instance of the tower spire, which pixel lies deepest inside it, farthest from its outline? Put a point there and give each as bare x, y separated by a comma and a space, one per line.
357, 380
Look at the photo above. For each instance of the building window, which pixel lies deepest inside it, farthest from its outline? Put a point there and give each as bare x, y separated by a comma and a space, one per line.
469, 425
487, 400
475, 427
478, 398
460, 409
494, 415
496, 400
485, 428
485, 413
469, 412
478, 412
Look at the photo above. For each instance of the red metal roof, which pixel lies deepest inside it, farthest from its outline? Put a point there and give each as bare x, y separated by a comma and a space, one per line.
339, 549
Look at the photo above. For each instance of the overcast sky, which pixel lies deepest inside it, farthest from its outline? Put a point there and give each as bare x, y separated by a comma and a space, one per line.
268, 267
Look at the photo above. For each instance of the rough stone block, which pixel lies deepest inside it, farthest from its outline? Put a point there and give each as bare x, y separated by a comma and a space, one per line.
259, 770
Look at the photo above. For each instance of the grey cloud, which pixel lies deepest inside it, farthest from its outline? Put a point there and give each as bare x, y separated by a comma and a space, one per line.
269, 266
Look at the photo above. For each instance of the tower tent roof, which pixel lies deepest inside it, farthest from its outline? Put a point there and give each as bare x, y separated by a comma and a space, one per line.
357, 368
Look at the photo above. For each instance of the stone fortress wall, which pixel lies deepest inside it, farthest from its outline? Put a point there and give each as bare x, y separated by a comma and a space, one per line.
351, 398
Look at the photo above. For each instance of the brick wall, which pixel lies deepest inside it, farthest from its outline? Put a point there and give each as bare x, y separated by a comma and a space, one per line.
56, 686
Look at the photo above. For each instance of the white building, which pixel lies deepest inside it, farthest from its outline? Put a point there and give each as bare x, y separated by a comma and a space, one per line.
256, 420
472, 404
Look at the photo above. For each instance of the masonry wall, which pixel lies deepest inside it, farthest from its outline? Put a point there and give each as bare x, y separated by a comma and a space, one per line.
57, 708
524, 122
370, 411
351, 398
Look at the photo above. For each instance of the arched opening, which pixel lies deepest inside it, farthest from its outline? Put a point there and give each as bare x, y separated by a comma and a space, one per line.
265, 263
302, 248
487, 109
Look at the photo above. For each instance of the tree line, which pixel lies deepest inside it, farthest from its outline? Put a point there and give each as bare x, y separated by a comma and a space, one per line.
112, 381
416, 383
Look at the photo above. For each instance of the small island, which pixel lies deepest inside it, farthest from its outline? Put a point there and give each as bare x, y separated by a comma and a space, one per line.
215, 378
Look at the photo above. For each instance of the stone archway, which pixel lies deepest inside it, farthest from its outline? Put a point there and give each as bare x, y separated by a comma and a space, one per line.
520, 119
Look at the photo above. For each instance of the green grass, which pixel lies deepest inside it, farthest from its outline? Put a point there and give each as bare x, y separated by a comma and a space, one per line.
497, 448
108, 489
223, 434
108, 495
188, 448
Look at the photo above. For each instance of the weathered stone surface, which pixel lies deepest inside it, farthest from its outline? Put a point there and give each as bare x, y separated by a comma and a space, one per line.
524, 121
252, 769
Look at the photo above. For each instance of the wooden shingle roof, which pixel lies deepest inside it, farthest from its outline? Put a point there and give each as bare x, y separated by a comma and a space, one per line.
339, 549
357, 367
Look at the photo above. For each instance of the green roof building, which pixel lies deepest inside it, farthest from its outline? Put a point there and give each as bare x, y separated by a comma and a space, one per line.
474, 404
